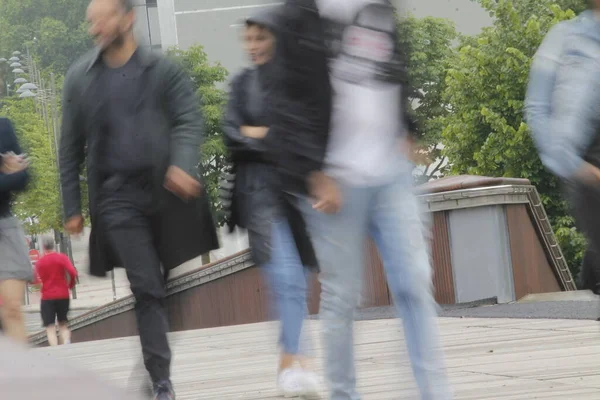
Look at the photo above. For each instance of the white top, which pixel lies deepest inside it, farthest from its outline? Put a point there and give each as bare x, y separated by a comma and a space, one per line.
364, 148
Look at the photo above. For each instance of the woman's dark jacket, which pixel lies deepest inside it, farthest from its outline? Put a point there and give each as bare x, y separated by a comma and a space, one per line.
9, 183
257, 198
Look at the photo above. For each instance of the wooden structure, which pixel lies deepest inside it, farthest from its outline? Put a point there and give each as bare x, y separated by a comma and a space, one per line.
528, 260
491, 359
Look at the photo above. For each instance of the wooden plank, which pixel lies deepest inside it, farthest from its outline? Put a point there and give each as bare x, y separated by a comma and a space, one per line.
505, 359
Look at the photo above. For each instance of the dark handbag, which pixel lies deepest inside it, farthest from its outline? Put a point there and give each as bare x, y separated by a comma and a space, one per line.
589, 275
227, 195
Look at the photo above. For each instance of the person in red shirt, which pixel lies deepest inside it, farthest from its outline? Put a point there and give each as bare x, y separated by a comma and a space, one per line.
52, 271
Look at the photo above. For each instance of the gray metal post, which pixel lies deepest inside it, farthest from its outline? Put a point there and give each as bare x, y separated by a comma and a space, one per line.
27, 294
114, 286
54, 123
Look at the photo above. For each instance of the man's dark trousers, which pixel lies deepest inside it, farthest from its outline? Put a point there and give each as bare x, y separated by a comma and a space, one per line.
128, 220
585, 205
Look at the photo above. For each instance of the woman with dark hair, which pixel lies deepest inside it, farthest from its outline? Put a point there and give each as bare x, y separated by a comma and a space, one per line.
15, 268
277, 236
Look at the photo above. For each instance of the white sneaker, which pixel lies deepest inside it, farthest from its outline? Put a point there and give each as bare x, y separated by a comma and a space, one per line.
298, 383
290, 383
310, 382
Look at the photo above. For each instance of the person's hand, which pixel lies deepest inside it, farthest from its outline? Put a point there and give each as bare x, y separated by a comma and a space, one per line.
74, 225
413, 152
588, 174
254, 132
13, 163
325, 191
184, 186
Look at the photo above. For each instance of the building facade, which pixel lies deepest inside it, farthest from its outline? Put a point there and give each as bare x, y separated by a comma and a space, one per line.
147, 27
216, 24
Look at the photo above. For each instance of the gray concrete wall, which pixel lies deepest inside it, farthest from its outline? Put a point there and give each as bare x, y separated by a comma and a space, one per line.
468, 16
480, 253
147, 29
215, 24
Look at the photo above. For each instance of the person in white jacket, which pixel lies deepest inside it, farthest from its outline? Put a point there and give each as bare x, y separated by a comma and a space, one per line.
366, 189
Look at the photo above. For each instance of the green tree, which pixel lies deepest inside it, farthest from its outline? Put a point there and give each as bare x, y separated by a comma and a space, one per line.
205, 78
53, 30
485, 133
429, 42
41, 201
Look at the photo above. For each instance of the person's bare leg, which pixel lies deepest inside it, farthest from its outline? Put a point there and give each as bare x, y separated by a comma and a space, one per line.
65, 332
12, 292
287, 361
304, 362
51, 335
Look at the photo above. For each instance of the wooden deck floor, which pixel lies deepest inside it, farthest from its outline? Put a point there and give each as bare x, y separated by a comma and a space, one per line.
487, 359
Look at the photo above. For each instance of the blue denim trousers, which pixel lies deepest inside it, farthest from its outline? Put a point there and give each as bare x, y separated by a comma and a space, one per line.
391, 215
287, 279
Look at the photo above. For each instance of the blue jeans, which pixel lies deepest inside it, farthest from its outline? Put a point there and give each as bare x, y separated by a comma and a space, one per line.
391, 215
287, 279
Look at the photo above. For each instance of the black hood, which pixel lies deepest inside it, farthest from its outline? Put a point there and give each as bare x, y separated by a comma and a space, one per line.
267, 17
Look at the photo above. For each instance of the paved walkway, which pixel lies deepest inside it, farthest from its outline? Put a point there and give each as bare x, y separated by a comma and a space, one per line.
487, 359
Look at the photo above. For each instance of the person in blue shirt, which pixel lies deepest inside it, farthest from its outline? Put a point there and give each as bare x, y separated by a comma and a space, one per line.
562, 108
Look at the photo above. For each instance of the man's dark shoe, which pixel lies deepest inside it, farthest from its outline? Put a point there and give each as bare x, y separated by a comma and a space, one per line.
163, 391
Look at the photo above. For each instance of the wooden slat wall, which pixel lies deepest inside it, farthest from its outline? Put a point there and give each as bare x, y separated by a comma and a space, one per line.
238, 298
375, 290
443, 278
242, 297
532, 272
120, 325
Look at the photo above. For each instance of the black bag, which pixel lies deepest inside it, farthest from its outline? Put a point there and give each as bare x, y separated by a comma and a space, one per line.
227, 196
589, 275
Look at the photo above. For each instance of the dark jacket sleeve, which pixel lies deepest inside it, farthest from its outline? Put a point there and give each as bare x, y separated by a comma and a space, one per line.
407, 114
183, 108
298, 137
241, 147
17, 181
71, 148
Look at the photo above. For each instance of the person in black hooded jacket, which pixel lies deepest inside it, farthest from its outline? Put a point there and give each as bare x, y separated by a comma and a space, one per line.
278, 240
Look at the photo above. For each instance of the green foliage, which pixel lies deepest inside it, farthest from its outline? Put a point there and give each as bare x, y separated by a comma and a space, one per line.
53, 30
41, 201
485, 133
572, 243
429, 41
205, 77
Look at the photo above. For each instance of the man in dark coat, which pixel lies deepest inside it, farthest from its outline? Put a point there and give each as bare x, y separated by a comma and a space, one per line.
139, 117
